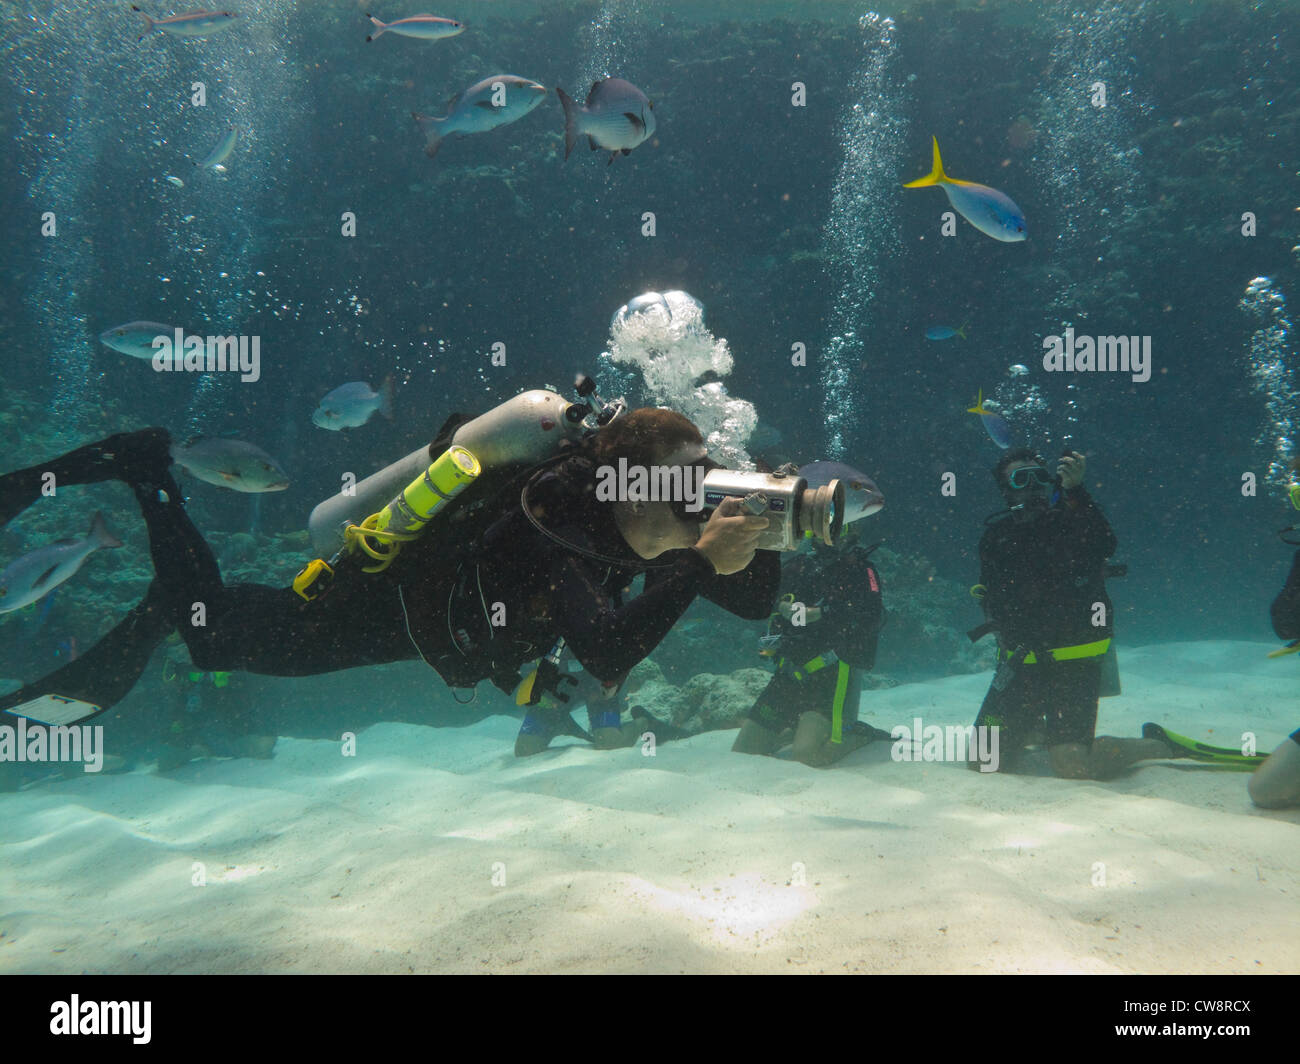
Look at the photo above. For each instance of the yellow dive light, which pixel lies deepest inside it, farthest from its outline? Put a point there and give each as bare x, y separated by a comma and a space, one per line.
380, 536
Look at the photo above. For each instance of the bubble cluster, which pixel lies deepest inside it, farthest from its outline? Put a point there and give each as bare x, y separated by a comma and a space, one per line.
1268, 366
666, 341
861, 231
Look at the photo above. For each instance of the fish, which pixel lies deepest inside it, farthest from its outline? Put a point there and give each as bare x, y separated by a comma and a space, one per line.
37, 573
476, 111
995, 424
221, 152
861, 496
136, 338
233, 464
988, 210
425, 27
351, 405
192, 24
616, 117
945, 332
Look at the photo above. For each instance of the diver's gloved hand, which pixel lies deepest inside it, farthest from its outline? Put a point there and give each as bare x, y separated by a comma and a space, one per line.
1070, 469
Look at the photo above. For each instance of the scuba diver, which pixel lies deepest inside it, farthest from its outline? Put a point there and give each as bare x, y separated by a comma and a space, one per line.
1276, 783
1043, 590
476, 594
821, 637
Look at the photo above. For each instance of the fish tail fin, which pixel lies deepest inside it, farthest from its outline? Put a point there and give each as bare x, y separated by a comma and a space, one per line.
935, 177
149, 23
978, 408
962, 331
428, 126
386, 397
570, 120
380, 27
100, 533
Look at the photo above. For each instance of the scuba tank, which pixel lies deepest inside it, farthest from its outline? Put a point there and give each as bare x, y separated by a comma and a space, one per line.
524, 431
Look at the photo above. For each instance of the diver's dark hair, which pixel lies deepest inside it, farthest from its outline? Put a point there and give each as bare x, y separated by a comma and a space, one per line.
1016, 454
645, 437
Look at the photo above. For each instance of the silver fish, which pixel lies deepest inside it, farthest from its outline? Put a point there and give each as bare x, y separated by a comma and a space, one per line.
425, 27
492, 102
36, 574
192, 24
351, 405
616, 117
232, 464
221, 152
861, 496
136, 338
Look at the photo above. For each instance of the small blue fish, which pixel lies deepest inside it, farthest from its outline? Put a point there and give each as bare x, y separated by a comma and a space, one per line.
136, 338
424, 27
988, 210
945, 332
994, 423
191, 24
221, 152
351, 405
861, 496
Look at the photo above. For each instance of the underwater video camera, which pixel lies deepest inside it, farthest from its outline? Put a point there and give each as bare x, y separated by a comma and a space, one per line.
782, 496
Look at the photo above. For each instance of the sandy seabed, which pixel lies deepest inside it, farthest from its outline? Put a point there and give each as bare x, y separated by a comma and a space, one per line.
435, 850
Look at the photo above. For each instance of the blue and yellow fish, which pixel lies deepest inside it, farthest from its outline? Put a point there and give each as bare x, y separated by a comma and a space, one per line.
987, 209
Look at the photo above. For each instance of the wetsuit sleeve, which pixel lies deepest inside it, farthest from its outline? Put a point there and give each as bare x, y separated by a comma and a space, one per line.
609, 638
1286, 607
749, 593
991, 577
1095, 538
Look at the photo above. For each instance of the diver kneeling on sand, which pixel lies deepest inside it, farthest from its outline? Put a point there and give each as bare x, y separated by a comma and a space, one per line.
528, 559
1043, 567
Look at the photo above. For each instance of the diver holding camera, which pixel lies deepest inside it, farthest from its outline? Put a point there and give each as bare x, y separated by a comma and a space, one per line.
1043, 567
491, 547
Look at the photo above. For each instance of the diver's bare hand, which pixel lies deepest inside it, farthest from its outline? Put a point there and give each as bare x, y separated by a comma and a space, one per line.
730, 538
1070, 470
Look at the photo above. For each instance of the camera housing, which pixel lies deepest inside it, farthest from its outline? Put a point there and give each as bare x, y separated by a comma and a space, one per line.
791, 506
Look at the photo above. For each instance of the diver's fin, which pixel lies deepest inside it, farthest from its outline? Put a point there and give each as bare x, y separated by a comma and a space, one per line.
1290, 648
569, 726
935, 176
1182, 746
662, 731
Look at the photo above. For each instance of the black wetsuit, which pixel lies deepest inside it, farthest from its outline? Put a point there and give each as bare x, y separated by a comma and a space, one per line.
1042, 580
846, 587
432, 598
1285, 612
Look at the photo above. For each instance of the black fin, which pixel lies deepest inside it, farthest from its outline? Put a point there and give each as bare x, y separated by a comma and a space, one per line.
637, 124
592, 141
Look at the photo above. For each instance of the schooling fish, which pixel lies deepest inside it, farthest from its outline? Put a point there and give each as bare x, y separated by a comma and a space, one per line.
221, 152
351, 405
994, 423
193, 24
616, 117
492, 102
944, 332
425, 27
36, 574
987, 209
861, 496
231, 464
136, 338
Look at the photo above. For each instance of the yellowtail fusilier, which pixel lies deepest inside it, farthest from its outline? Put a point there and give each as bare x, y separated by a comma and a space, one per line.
191, 24
232, 464
988, 210
36, 574
616, 117
492, 102
221, 152
351, 405
424, 27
